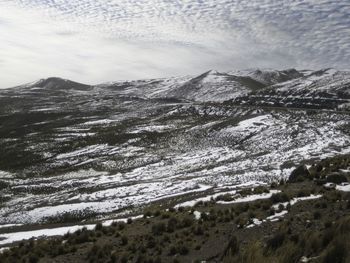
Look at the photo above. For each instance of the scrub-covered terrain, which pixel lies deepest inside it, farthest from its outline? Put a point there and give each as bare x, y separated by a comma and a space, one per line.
73, 154
306, 219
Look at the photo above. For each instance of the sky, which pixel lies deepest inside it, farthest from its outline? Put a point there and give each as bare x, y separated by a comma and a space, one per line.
96, 41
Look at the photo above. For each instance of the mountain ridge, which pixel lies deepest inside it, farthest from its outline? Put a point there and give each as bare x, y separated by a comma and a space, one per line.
59, 80
328, 88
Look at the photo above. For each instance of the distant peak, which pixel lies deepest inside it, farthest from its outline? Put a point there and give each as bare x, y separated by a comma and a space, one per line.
51, 80
270, 77
213, 72
59, 83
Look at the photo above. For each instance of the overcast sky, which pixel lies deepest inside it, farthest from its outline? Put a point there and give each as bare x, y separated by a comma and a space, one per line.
94, 41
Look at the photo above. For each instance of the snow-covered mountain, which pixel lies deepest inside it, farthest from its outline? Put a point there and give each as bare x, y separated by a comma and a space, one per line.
79, 150
213, 86
209, 86
269, 77
323, 89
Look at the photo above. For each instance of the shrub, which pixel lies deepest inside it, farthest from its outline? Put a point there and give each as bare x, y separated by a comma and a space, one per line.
233, 245
276, 241
147, 214
225, 198
241, 208
171, 225
266, 204
273, 185
314, 243
99, 226
197, 247
245, 192
158, 228
183, 250
187, 222
121, 225
124, 241
181, 209
288, 207
336, 178
166, 238
151, 242
172, 250
279, 198
294, 238
156, 213
3, 185
337, 253
303, 193
93, 252
299, 174
328, 237
33, 258
124, 259
80, 237
317, 215
132, 248
280, 207
198, 231
165, 215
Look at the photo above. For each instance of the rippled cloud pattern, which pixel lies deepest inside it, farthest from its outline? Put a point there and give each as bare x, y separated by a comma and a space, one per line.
102, 40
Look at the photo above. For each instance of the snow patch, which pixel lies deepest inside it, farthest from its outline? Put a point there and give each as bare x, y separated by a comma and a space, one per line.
250, 198
343, 188
197, 215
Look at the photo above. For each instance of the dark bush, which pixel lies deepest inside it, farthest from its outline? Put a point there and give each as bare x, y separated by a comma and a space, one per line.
171, 225
172, 250
158, 228
147, 214
151, 242
80, 237
33, 258
328, 237
328, 224
198, 230
336, 178
279, 198
156, 213
187, 222
98, 226
121, 225
183, 250
303, 193
317, 215
3, 185
299, 174
273, 185
337, 253
276, 241
124, 241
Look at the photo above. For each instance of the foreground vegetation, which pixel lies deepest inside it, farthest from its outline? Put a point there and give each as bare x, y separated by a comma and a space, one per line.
314, 230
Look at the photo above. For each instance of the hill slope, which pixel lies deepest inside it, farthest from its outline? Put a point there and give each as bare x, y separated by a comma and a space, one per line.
72, 152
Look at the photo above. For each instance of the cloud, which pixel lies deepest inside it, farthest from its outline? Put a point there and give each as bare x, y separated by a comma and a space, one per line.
102, 40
